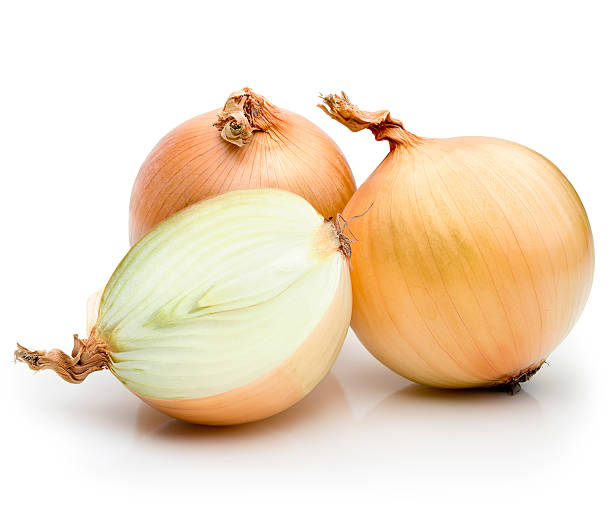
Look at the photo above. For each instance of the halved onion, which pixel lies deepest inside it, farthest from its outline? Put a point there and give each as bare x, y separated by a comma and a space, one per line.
228, 312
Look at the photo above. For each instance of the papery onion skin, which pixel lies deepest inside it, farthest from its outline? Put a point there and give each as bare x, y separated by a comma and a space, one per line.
249, 143
474, 261
230, 311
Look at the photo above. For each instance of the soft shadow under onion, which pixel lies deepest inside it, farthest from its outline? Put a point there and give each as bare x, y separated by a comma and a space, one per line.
327, 402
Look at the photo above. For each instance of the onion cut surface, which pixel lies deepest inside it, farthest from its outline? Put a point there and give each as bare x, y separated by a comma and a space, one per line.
230, 311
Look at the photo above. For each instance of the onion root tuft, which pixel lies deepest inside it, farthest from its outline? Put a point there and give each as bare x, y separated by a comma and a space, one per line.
512, 385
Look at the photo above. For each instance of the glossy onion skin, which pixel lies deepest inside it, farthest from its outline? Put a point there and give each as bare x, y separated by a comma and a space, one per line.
472, 265
193, 162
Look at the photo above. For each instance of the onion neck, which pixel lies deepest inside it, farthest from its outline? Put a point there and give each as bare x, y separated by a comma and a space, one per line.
384, 127
88, 356
244, 113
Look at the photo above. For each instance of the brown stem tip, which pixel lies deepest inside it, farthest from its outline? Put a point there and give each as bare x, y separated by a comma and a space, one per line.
384, 127
88, 356
245, 112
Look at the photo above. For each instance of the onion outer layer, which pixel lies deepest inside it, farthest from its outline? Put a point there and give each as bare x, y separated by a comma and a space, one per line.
249, 143
474, 261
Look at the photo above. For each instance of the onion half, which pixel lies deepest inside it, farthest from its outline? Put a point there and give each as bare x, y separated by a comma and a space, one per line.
474, 262
228, 312
249, 143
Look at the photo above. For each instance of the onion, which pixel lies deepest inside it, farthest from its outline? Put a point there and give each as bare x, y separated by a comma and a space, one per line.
228, 312
474, 262
250, 143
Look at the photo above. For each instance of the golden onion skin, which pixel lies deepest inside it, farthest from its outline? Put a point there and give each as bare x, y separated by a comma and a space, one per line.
473, 263
280, 150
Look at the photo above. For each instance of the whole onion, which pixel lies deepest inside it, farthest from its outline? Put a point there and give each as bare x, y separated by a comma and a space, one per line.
249, 143
474, 261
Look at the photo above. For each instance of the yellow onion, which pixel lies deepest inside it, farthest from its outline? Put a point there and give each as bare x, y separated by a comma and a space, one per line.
474, 261
228, 312
249, 143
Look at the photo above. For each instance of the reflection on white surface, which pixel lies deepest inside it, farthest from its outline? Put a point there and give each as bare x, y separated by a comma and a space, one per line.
460, 427
362, 410
362, 425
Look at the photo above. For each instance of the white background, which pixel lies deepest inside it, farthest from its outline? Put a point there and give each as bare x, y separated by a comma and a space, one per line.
86, 91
